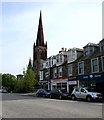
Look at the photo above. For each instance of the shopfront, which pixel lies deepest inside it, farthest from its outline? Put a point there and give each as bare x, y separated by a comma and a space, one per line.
59, 84
43, 84
71, 85
95, 80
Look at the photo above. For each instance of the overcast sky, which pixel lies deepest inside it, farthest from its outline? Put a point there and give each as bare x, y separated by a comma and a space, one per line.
69, 24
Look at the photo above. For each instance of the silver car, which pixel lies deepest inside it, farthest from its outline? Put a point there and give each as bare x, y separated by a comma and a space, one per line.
86, 94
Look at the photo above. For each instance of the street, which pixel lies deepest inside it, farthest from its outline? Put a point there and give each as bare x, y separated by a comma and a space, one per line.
20, 106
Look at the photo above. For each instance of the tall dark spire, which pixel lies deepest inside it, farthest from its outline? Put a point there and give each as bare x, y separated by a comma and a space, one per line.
40, 35
29, 64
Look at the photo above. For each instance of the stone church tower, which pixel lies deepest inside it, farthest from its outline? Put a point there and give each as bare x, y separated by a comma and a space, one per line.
39, 49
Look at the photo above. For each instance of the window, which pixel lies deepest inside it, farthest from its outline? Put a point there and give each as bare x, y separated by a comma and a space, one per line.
58, 85
60, 72
90, 50
55, 72
77, 89
81, 68
102, 59
69, 69
82, 90
41, 75
57, 58
94, 65
102, 46
60, 57
46, 64
73, 54
86, 52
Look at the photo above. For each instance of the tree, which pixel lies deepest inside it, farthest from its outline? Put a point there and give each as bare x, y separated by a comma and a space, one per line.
19, 86
29, 80
8, 81
27, 83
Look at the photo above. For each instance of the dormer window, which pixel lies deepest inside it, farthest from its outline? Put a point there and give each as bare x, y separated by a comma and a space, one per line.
102, 46
60, 57
88, 50
57, 58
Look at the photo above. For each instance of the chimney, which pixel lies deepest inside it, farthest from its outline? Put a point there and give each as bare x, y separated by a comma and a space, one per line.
65, 49
62, 49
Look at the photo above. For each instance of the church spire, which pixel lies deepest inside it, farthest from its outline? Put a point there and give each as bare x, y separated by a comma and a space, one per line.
40, 35
29, 64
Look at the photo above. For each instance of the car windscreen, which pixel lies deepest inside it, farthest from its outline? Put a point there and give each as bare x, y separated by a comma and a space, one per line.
47, 90
63, 91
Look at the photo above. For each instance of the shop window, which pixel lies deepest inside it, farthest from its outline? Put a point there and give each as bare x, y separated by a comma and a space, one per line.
58, 85
94, 65
64, 86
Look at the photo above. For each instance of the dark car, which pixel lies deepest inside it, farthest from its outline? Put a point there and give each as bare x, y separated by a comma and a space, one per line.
59, 94
43, 93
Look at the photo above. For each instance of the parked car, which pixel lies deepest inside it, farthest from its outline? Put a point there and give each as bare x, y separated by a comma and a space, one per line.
43, 93
59, 94
3, 91
86, 94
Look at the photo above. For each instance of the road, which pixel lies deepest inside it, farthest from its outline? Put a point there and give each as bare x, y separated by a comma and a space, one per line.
19, 106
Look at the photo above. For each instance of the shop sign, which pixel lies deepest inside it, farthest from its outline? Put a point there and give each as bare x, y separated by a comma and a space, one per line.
92, 76
53, 83
72, 82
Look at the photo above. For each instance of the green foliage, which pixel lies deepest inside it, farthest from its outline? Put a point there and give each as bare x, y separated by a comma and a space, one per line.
8, 81
29, 80
19, 86
26, 84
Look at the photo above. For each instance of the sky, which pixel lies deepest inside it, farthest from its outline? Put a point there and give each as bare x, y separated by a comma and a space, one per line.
68, 24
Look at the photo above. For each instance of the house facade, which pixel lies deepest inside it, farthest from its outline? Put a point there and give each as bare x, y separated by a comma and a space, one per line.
91, 66
75, 67
72, 56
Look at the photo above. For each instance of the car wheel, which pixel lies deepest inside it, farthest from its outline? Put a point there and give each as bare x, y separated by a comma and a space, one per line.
73, 97
44, 96
37, 95
60, 97
50, 96
88, 99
